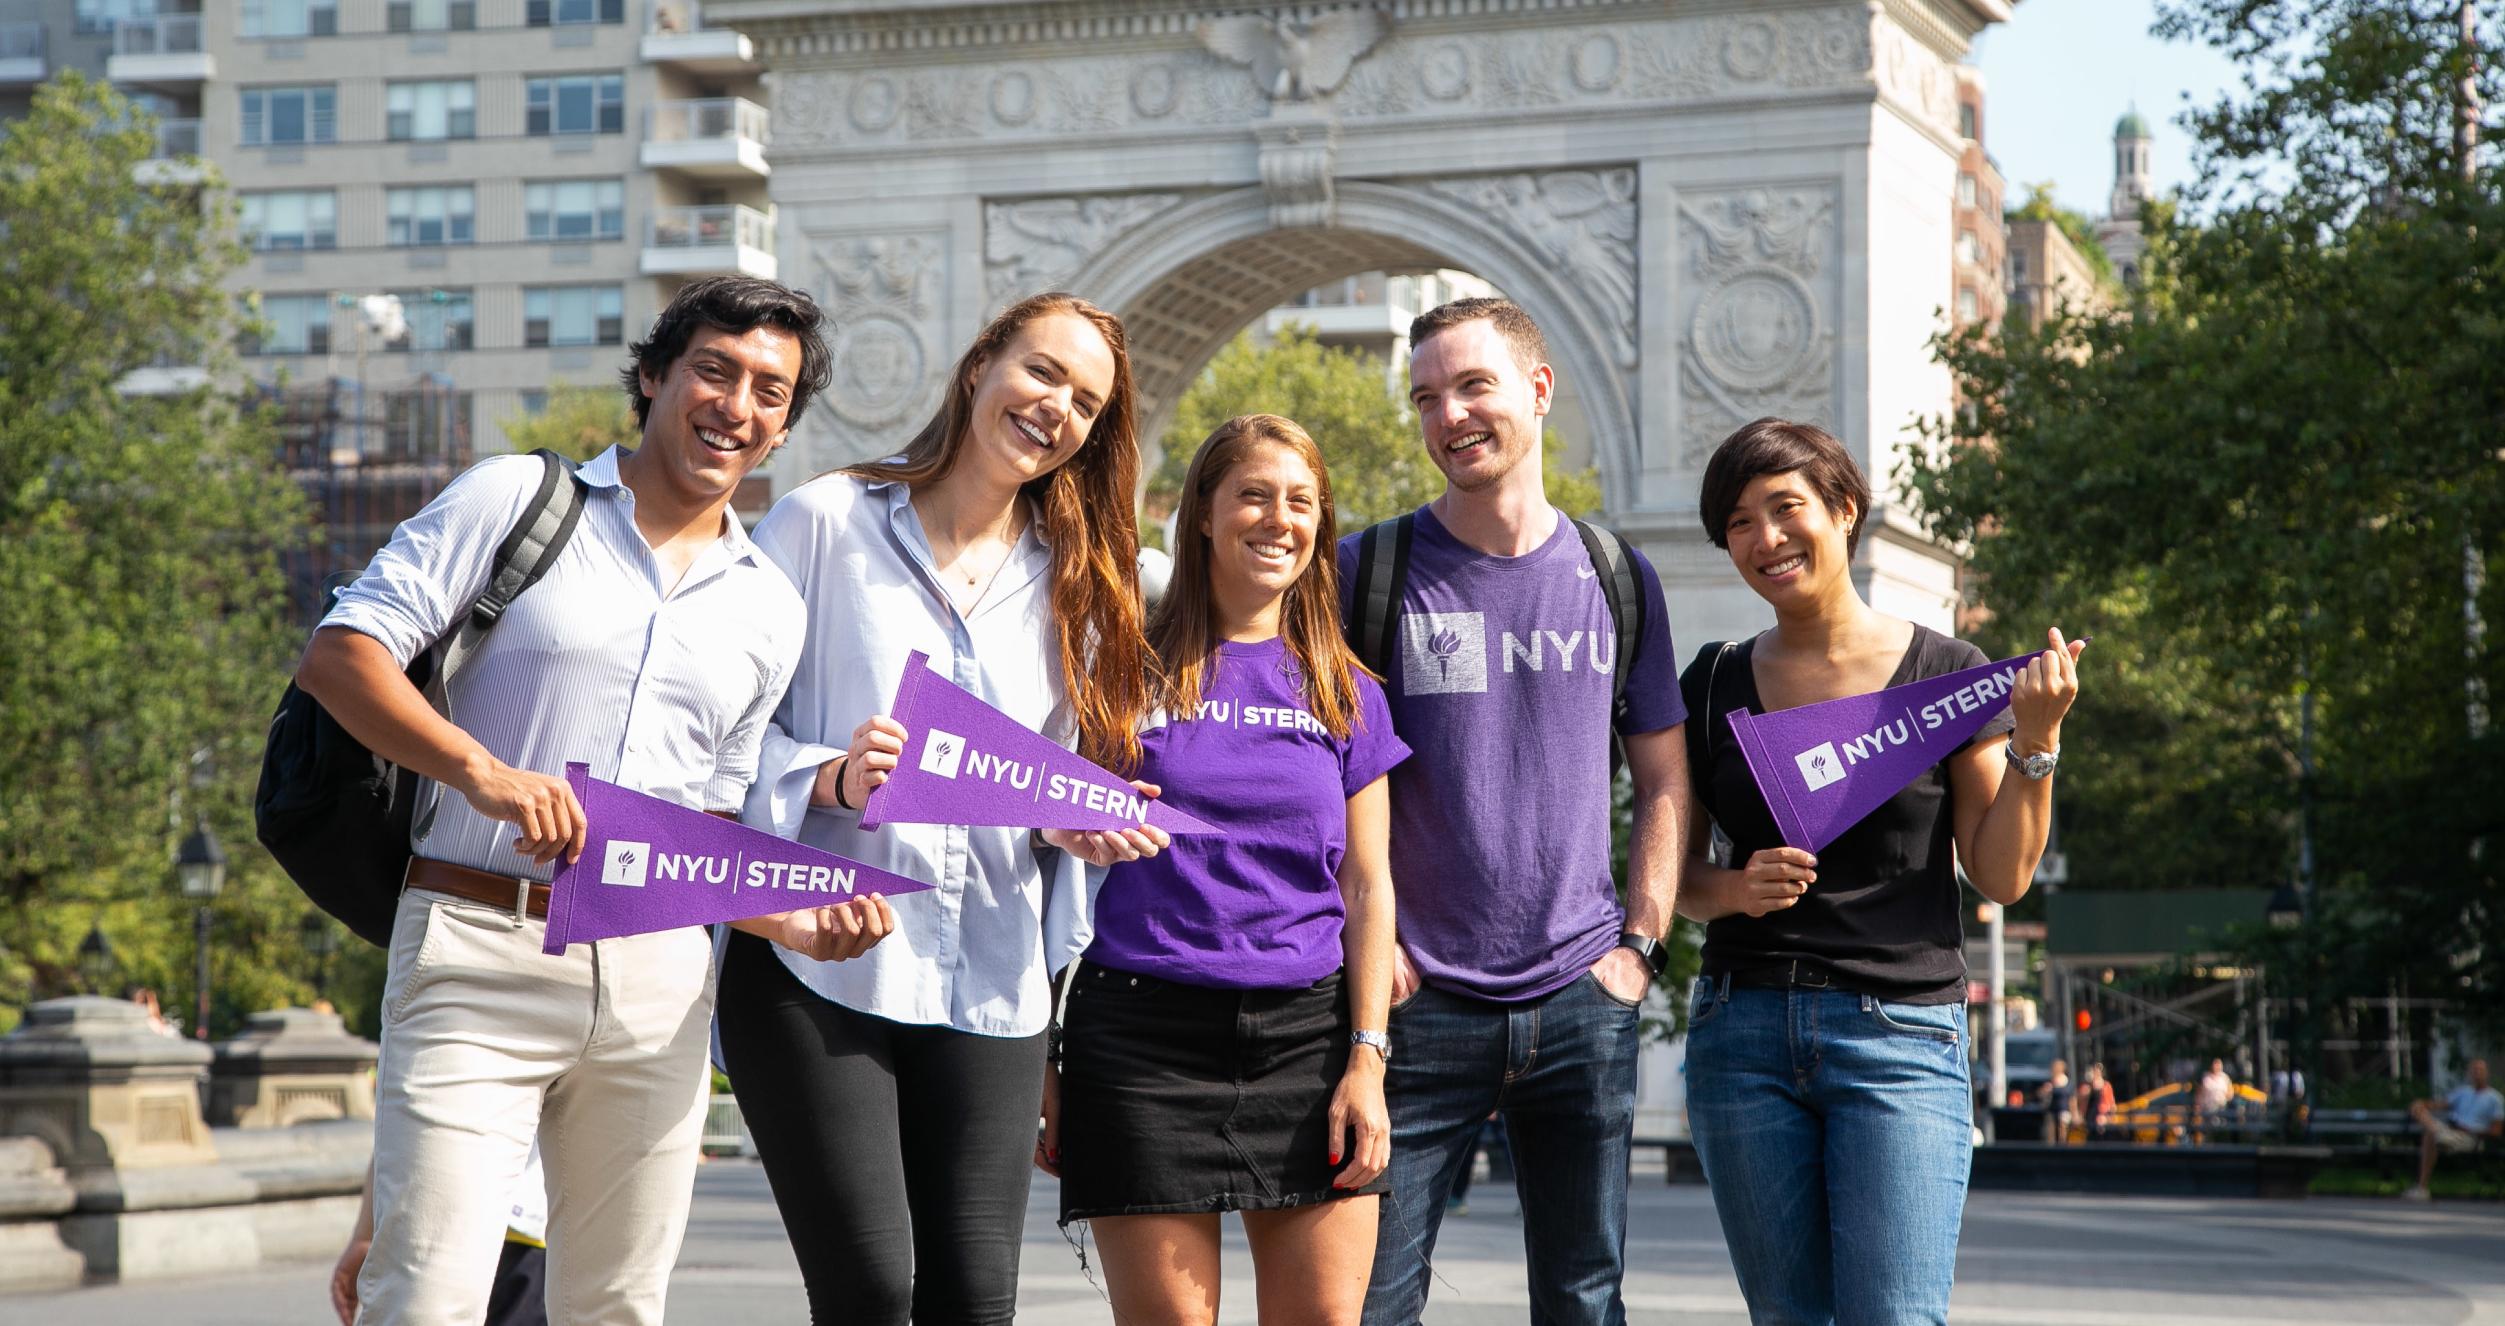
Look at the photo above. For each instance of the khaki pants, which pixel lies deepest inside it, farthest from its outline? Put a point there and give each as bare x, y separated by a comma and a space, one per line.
487, 1042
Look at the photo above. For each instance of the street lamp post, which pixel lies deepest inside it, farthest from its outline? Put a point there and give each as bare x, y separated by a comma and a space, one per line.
320, 940
201, 866
96, 960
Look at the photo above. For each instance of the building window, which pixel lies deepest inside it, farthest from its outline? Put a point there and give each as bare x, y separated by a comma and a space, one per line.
575, 209
429, 217
292, 325
96, 16
1965, 121
573, 315
436, 320
1965, 189
431, 15
1969, 248
1966, 304
304, 219
534, 401
543, 13
2017, 266
593, 103
289, 115
289, 18
430, 110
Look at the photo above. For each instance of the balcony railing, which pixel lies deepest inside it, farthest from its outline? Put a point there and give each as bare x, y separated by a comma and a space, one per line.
705, 227
166, 34
177, 138
21, 41
712, 118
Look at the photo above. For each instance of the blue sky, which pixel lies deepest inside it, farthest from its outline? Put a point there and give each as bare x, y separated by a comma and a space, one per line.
2058, 75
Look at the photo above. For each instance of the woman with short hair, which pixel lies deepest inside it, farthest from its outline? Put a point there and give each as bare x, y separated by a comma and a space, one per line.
1826, 1060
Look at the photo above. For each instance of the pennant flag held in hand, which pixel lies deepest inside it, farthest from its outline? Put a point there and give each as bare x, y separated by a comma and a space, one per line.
965, 762
650, 865
1822, 767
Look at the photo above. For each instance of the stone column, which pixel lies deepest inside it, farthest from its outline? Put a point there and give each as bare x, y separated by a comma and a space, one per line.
290, 1066
90, 1079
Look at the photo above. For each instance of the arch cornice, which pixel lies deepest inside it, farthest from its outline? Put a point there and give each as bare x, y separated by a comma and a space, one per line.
1414, 224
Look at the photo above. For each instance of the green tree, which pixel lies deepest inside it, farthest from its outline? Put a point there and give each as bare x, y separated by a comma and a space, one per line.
2270, 490
143, 617
1367, 433
580, 422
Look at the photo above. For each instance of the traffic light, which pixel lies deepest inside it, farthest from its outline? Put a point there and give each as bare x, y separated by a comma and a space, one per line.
2083, 1019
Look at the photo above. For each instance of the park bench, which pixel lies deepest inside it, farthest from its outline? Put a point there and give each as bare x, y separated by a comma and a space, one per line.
2384, 1139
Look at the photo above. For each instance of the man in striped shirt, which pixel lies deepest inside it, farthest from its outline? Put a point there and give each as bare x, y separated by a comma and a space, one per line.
654, 650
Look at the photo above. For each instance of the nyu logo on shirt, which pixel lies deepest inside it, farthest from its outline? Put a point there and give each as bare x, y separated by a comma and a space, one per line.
942, 752
1820, 765
1443, 653
626, 863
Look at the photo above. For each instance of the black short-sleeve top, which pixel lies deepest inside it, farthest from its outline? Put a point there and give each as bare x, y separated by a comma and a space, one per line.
1882, 919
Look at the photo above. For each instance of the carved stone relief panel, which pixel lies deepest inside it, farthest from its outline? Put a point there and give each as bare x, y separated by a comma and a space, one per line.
1584, 222
882, 293
1914, 76
1409, 72
1037, 244
1758, 331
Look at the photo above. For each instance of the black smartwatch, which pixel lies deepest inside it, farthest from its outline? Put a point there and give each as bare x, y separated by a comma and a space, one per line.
1655, 954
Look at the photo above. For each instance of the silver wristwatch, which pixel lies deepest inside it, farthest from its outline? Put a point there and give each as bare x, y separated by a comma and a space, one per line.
2037, 767
1381, 1041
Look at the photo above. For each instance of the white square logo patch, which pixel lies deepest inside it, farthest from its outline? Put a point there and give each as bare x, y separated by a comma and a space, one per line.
1820, 765
1443, 653
942, 752
627, 864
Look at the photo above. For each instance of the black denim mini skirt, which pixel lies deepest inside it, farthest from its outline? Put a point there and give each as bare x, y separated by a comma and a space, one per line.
1183, 1098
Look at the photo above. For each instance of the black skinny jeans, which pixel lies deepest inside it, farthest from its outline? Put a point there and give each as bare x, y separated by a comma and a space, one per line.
899, 1155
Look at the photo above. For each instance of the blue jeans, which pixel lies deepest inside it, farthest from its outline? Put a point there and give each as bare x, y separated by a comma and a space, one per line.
1836, 1130
1562, 1068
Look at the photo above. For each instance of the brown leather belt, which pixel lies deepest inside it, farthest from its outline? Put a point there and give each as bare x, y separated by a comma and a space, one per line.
501, 891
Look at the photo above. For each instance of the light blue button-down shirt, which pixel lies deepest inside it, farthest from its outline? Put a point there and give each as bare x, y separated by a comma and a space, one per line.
663, 688
975, 952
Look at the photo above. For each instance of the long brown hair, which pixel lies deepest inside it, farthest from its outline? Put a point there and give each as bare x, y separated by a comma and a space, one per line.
1085, 507
1184, 630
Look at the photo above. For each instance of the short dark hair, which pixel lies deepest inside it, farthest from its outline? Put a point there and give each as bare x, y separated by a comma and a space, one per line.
1530, 349
735, 304
1779, 446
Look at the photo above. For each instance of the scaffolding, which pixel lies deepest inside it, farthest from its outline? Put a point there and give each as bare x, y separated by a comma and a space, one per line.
366, 460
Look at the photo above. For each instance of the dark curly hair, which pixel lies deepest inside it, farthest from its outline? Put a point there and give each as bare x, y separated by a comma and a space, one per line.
735, 304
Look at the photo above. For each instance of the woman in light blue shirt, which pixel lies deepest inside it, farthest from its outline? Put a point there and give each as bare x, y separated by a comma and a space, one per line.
893, 1098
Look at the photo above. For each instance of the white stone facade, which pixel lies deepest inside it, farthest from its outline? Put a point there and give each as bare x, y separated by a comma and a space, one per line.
1715, 210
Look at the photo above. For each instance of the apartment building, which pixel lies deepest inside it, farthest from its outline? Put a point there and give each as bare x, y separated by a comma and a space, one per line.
1976, 295
474, 197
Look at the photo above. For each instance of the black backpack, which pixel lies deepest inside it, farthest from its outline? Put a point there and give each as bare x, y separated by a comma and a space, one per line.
336, 816
1383, 577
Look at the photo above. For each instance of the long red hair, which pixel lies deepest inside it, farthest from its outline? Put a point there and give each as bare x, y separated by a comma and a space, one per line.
1184, 631
1085, 509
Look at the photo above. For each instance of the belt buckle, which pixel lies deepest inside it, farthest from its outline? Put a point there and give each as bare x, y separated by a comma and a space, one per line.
1807, 977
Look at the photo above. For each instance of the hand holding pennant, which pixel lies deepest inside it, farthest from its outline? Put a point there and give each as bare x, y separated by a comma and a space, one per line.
965, 762
650, 865
1822, 767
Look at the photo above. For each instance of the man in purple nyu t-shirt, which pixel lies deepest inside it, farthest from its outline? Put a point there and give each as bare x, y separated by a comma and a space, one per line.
1518, 974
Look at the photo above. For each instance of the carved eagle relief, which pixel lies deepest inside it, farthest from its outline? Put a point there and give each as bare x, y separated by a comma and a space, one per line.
1293, 59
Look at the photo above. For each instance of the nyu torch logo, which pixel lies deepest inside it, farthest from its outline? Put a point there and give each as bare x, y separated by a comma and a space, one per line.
627, 864
1443, 653
1820, 765
942, 752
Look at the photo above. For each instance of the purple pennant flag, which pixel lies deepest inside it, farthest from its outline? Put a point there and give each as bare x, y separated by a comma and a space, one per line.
1821, 767
650, 865
965, 762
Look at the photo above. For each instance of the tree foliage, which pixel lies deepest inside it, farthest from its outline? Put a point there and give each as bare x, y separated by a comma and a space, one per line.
2268, 490
143, 616
1360, 420
580, 421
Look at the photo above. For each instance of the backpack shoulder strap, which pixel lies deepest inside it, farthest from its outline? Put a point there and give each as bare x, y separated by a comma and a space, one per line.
1614, 562
1382, 576
528, 550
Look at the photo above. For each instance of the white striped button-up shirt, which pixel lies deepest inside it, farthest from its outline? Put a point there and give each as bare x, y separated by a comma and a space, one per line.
974, 952
661, 688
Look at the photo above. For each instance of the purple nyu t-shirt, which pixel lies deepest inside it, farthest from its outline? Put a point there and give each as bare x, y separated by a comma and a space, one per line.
1259, 908
1501, 684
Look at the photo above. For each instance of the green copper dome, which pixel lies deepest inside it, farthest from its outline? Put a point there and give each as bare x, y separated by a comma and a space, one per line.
2131, 125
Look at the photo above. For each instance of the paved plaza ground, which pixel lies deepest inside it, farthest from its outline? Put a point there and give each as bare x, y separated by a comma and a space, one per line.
2027, 1260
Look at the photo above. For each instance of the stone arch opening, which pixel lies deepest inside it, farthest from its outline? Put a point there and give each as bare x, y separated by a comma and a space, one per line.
1188, 280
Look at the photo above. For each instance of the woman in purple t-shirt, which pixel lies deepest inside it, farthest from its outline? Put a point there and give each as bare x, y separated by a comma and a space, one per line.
1224, 1042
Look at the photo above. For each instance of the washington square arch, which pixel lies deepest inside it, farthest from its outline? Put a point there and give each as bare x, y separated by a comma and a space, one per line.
1715, 209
